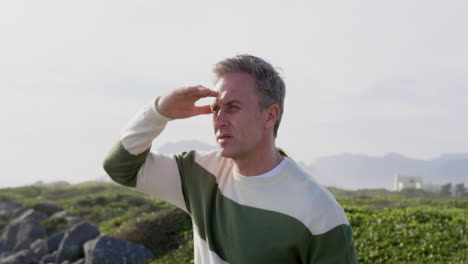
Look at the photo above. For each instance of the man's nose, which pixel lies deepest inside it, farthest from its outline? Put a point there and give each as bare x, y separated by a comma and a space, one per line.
220, 119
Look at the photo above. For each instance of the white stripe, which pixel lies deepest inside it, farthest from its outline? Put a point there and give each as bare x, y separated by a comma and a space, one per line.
202, 252
159, 177
292, 192
143, 128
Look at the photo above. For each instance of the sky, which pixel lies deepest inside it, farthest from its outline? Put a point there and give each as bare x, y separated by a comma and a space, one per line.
363, 77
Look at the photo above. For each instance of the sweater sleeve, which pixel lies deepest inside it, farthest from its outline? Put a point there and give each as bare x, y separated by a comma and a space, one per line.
131, 163
333, 247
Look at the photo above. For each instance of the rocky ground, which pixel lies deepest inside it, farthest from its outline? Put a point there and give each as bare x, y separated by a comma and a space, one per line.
46, 233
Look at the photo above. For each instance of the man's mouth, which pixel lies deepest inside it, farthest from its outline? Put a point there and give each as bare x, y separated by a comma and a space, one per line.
224, 138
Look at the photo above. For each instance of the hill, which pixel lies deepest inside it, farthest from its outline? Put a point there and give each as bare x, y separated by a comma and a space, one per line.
353, 171
388, 227
357, 171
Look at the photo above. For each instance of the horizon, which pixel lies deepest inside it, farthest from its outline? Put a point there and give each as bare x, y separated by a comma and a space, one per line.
384, 154
106, 178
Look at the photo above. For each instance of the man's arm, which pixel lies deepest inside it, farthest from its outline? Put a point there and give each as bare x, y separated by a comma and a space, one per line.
133, 147
130, 161
335, 246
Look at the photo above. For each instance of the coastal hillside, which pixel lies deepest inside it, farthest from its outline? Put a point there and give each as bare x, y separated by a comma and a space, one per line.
389, 227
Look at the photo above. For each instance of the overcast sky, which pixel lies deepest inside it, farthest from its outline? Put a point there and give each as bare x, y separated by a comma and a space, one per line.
363, 77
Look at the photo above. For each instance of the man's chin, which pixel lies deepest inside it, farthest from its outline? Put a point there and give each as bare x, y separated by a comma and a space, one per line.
225, 153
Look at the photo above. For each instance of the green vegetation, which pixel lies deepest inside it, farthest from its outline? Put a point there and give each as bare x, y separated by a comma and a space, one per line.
409, 235
55, 224
389, 227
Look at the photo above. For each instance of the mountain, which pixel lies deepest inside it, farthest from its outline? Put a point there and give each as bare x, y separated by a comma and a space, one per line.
353, 171
357, 171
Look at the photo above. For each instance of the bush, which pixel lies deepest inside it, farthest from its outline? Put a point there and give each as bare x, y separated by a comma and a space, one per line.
54, 225
161, 231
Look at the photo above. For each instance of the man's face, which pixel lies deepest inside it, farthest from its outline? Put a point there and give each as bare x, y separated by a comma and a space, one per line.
237, 119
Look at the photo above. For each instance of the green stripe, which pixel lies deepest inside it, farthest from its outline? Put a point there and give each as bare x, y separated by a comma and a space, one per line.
244, 234
122, 166
334, 246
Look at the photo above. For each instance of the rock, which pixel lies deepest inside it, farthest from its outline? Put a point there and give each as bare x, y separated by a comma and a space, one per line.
25, 256
30, 214
7, 212
7, 209
62, 214
109, 250
71, 245
8, 206
39, 248
23, 230
29, 231
80, 261
53, 242
17, 212
47, 207
50, 258
3, 248
71, 219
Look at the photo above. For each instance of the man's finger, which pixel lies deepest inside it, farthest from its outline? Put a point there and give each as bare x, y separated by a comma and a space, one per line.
206, 92
203, 110
201, 91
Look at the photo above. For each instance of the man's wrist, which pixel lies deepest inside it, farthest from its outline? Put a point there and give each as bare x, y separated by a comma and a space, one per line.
158, 113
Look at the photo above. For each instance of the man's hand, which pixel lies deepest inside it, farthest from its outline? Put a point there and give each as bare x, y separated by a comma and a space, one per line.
181, 102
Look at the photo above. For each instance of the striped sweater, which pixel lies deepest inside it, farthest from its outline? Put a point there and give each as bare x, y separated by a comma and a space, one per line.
285, 218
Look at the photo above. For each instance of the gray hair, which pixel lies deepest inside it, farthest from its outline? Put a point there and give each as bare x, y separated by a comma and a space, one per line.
270, 86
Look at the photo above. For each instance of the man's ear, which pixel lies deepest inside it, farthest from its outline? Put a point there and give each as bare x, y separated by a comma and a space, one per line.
272, 115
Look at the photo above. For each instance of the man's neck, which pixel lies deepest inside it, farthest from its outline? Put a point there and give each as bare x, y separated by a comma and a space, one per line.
259, 162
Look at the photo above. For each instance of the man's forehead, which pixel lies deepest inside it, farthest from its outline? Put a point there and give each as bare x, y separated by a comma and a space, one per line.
237, 86
228, 92
226, 96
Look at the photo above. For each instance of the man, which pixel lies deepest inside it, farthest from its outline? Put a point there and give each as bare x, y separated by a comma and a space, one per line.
248, 201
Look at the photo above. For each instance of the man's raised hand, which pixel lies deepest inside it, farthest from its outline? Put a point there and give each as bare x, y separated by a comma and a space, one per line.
180, 103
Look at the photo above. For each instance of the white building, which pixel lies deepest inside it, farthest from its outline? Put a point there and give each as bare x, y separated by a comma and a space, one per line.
407, 182
415, 182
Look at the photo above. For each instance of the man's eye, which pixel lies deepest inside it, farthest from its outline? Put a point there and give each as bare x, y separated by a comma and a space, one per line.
214, 108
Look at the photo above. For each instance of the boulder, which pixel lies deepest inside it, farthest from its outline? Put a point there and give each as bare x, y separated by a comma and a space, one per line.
39, 248
7, 209
29, 214
23, 230
50, 258
47, 207
53, 242
109, 250
19, 211
29, 231
62, 214
71, 245
3, 248
25, 256
71, 219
